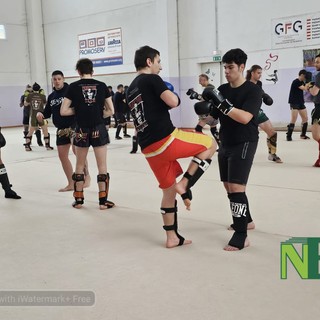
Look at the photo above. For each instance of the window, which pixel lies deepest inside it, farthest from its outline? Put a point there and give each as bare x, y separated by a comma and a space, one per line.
2, 32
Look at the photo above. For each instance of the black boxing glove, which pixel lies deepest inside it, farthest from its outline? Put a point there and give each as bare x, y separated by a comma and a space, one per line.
267, 99
216, 98
203, 107
193, 94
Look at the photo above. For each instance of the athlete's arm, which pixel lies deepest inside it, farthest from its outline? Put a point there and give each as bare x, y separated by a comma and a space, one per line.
108, 109
170, 99
65, 109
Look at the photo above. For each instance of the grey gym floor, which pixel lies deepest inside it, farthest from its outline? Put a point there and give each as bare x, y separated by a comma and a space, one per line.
119, 254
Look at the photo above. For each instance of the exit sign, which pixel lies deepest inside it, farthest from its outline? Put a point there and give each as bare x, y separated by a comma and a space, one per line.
217, 58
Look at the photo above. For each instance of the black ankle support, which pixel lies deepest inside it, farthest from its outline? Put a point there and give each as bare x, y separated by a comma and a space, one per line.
173, 227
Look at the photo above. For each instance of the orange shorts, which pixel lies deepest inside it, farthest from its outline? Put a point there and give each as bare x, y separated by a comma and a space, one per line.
162, 155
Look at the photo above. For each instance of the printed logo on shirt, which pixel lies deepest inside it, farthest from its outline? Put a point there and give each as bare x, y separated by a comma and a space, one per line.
89, 94
137, 112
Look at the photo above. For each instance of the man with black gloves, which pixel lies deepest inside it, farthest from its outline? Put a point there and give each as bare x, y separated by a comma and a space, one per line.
254, 75
205, 118
150, 100
236, 104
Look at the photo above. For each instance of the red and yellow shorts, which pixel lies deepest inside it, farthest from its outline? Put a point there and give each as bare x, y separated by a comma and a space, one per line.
162, 155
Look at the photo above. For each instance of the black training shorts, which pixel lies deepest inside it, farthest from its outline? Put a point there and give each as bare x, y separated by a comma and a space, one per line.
235, 162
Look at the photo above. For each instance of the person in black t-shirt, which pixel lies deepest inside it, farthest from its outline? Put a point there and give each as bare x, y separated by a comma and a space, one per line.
65, 127
296, 101
150, 100
120, 106
90, 101
236, 104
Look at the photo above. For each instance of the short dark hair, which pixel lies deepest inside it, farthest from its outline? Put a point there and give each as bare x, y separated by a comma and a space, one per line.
84, 66
142, 54
318, 55
36, 87
119, 86
304, 72
202, 75
237, 56
57, 73
252, 69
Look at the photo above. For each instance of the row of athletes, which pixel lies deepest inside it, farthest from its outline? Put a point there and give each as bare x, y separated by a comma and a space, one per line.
236, 104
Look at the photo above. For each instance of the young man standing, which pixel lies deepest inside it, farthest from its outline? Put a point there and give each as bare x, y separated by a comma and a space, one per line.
296, 101
37, 100
314, 89
254, 75
162, 144
89, 100
65, 127
236, 105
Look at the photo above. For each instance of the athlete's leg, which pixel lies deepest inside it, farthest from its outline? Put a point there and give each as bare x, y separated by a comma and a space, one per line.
63, 152
170, 219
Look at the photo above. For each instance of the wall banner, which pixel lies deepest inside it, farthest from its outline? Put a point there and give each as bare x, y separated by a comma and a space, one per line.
296, 31
104, 48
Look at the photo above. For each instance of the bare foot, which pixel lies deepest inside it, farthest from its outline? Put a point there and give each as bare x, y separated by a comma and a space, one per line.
87, 181
232, 248
181, 189
172, 243
251, 225
67, 188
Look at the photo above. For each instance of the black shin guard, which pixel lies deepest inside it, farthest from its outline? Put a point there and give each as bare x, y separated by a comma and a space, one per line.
119, 127
6, 186
103, 195
174, 226
28, 143
134, 144
290, 130
272, 143
304, 129
78, 194
38, 135
239, 210
47, 142
203, 165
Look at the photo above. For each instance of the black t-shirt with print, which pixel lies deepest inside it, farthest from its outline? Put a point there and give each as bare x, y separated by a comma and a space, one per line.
247, 97
88, 98
150, 114
53, 107
296, 94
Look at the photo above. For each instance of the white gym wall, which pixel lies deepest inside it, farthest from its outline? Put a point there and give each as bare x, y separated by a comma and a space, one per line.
43, 36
